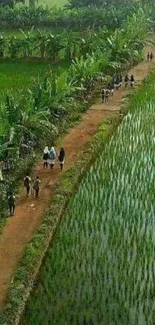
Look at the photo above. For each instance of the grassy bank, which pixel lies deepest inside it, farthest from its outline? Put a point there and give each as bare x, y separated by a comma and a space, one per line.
100, 268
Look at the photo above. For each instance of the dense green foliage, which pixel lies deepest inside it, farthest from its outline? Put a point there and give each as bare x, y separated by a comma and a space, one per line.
71, 45
55, 100
100, 268
23, 17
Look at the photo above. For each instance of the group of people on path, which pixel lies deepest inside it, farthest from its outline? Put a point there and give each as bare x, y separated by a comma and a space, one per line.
50, 155
49, 158
115, 84
149, 56
27, 184
36, 185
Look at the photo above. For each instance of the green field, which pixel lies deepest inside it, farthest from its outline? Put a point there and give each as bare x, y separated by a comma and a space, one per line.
100, 267
52, 3
17, 75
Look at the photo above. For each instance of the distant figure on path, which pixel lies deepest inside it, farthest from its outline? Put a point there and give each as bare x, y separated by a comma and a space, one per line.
151, 56
120, 80
148, 56
61, 158
111, 88
1, 172
103, 95
27, 184
46, 157
106, 95
52, 156
117, 82
132, 80
11, 204
36, 187
126, 80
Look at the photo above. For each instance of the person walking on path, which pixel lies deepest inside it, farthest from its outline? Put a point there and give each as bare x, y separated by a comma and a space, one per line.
132, 80
120, 80
151, 56
148, 56
106, 95
27, 184
112, 88
11, 204
46, 157
126, 80
103, 91
61, 158
36, 186
52, 157
117, 82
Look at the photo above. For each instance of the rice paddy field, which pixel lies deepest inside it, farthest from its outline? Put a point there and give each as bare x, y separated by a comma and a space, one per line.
52, 3
100, 268
20, 74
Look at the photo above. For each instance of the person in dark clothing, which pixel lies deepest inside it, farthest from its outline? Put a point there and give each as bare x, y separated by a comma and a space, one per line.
132, 80
36, 187
111, 88
11, 204
103, 95
151, 56
106, 95
46, 157
117, 83
126, 80
120, 80
148, 56
61, 158
27, 184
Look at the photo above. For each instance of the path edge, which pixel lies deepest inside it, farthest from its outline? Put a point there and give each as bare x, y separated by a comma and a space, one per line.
28, 270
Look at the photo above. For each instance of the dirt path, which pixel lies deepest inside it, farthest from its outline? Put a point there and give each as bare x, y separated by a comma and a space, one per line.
21, 228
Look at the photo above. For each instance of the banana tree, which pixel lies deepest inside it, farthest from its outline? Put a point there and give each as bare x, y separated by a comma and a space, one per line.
2, 45
22, 124
53, 47
136, 37
55, 95
14, 46
70, 43
83, 70
41, 43
27, 44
